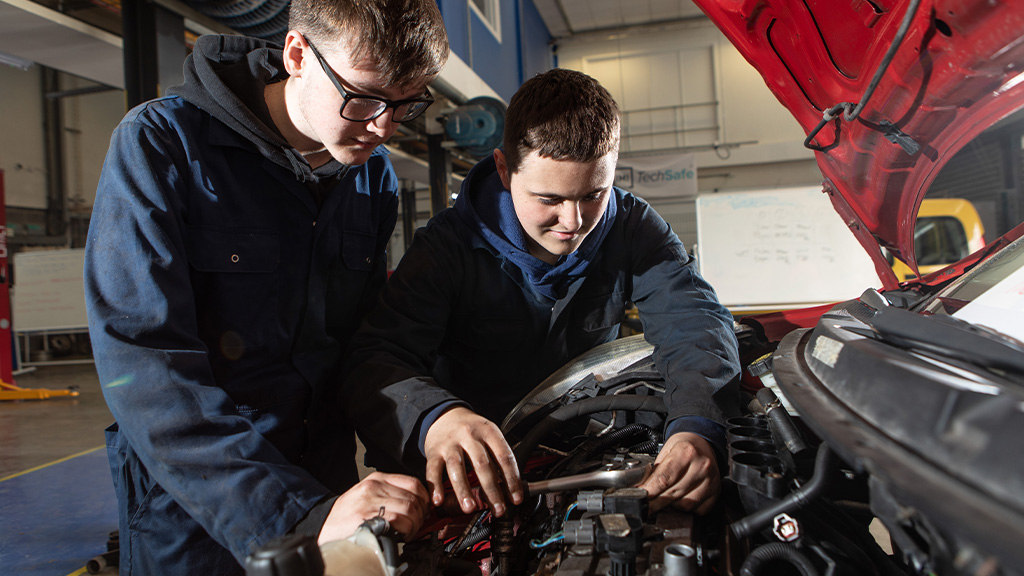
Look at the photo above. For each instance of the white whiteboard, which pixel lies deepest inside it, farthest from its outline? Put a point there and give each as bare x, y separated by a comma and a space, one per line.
48, 292
784, 248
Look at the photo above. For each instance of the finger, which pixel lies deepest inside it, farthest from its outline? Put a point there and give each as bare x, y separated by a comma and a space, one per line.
502, 466
506, 461
403, 516
709, 502
407, 483
668, 483
435, 482
455, 464
691, 492
481, 458
404, 494
490, 485
658, 488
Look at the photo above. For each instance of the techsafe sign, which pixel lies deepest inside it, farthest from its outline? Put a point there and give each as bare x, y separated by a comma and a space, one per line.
661, 176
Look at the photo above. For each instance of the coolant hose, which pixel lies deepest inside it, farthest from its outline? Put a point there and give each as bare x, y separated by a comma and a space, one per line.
796, 500
786, 430
777, 551
581, 407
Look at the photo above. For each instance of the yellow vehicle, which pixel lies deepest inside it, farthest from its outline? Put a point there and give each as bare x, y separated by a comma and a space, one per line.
947, 230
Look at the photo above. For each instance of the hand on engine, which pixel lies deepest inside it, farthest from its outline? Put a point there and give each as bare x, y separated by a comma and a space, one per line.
685, 475
460, 435
403, 499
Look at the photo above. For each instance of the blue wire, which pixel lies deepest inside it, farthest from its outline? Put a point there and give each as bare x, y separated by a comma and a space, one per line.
569, 511
554, 538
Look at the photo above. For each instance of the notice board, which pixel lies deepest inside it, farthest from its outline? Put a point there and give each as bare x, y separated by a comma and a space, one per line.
48, 292
779, 248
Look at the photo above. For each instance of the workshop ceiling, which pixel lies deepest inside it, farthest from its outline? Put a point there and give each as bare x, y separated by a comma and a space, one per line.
565, 18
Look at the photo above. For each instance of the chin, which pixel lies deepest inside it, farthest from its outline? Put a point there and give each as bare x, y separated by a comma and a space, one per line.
353, 157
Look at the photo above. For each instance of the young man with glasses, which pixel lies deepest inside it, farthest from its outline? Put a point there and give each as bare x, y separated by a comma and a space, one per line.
237, 240
532, 267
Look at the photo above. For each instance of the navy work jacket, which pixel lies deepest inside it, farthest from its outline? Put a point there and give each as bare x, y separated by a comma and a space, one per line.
220, 299
460, 322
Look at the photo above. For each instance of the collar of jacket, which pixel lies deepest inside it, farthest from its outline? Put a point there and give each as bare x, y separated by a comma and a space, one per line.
222, 135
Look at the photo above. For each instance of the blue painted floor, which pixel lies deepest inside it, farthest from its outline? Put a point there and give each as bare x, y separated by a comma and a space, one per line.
53, 519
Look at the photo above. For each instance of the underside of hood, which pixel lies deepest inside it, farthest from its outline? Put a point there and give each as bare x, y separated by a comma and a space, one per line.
937, 73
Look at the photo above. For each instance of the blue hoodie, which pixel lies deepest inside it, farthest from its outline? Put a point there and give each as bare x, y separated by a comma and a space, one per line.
486, 204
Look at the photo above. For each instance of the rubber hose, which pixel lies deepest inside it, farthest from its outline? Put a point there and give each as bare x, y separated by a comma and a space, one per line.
586, 406
781, 420
777, 551
794, 501
474, 538
625, 432
598, 444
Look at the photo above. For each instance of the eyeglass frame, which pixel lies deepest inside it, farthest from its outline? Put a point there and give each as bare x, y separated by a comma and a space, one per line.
349, 96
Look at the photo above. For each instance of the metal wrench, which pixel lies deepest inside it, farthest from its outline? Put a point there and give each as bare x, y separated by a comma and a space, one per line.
597, 479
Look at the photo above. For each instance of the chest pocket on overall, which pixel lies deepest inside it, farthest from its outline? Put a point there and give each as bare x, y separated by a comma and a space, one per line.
234, 284
357, 250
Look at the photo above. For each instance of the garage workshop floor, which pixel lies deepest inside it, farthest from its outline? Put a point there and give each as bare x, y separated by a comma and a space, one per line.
58, 501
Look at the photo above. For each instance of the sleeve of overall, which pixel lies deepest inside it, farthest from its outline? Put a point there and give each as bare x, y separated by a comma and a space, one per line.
154, 369
389, 389
695, 347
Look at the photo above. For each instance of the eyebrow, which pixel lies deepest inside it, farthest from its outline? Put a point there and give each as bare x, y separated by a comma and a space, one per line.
553, 195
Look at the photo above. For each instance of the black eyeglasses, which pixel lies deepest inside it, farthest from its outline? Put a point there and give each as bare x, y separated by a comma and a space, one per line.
363, 108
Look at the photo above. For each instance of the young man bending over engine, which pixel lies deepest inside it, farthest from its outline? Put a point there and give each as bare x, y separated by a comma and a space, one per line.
236, 243
531, 267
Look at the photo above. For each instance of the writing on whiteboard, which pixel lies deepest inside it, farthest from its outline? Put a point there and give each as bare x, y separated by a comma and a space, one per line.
779, 247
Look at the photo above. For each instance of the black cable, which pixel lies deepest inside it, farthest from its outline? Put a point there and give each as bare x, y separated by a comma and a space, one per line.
585, 406
851, 112
777, 551
886, 60
598, 444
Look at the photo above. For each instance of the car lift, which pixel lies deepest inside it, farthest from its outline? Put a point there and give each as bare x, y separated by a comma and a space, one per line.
8, 390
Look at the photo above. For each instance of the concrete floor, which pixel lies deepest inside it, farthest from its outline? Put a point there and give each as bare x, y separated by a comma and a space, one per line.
37, 432
59, 505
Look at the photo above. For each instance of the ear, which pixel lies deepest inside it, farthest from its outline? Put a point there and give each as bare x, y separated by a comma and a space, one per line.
502, 165
295, 47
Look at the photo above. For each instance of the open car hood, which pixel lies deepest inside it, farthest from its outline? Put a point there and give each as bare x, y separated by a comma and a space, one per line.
955, 70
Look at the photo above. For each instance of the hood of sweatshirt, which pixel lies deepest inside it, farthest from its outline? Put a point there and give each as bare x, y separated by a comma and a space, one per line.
486, 207
226, 76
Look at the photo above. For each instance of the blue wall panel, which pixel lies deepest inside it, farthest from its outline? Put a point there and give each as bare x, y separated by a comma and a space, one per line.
522, 52
536, 41
456, 17
497, 62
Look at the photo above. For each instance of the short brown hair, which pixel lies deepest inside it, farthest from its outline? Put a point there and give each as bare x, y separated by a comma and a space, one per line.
561, 114
405, 39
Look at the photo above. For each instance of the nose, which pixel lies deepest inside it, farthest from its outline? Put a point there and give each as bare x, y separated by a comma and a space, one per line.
570, 217
383, 125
